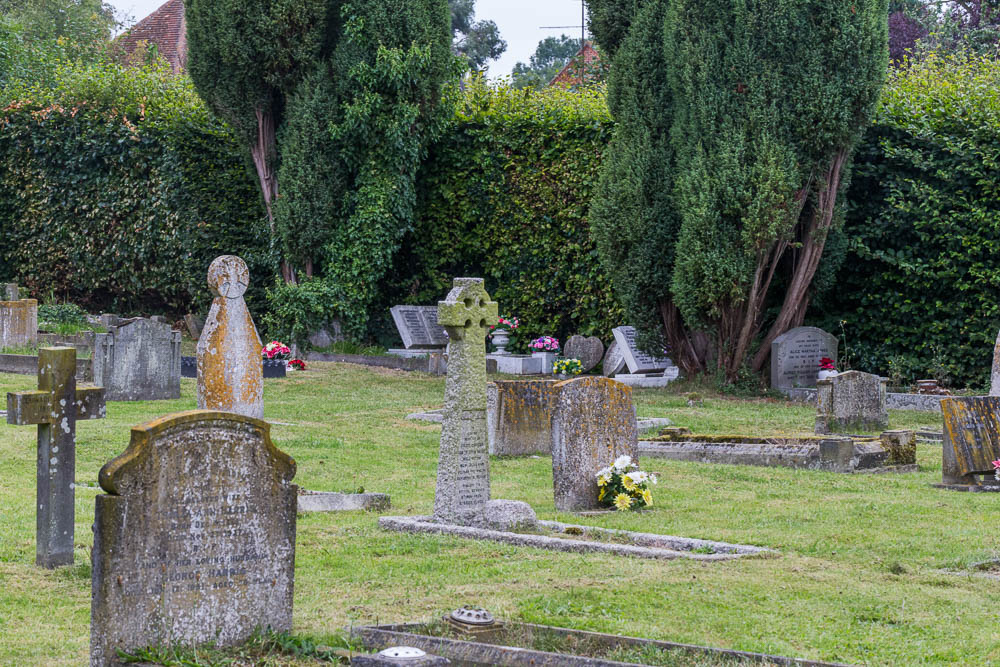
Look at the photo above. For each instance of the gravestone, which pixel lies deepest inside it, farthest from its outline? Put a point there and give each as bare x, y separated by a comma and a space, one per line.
520, 417
55, 408
995, 373
19, 323
463, 477
971, 439
851, 402
230, 370
589, 351
637, 360
594, 422
194, 538
795, 357
138, 360
11, 292
418, 327
614, 360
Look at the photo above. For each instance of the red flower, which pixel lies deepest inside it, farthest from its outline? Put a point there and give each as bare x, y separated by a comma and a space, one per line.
297, 364
826, 364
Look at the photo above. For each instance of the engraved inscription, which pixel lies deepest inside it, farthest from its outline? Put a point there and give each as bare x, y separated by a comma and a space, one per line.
473, 476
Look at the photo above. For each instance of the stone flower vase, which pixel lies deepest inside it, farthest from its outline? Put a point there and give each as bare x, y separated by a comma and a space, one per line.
501, 339
825, 375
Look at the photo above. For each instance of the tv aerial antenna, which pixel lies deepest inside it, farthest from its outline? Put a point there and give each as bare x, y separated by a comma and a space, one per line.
583, 37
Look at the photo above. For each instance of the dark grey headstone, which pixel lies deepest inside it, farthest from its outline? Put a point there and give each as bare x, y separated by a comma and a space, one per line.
138, 360
593, 424
418, 326
637, 360
194, 541
795, 357
589, 351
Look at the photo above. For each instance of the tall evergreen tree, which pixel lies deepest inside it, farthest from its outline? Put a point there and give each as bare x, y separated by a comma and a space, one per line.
736, 122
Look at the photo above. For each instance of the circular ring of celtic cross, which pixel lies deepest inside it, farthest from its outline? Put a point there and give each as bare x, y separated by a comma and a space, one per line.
228, 276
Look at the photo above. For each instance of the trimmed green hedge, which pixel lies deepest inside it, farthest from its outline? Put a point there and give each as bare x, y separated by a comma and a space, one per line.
117, 189
918, 289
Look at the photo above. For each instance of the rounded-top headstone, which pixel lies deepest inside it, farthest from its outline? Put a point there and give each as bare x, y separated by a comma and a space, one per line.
614, 361
228, 276
589, 351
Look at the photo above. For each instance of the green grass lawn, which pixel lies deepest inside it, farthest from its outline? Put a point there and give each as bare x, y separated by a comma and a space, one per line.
859, 578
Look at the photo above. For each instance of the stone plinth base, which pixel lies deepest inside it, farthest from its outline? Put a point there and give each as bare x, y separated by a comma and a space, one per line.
317, 501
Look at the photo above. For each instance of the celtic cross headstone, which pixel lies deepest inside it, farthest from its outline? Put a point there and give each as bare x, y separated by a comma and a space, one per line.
55, 408
463, 481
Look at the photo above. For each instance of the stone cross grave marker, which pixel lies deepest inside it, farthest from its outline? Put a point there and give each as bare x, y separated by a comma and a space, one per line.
463, 477
589, 351
593, 424
418, 327
194, 539
55, 408
795, 357
18, 323
230, 370
636, 360
971, 438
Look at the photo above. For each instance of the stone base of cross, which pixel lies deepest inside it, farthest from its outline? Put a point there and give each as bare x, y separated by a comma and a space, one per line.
55, 409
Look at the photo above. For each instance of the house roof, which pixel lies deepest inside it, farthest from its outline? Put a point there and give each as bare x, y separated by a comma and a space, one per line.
571, 74
165, 28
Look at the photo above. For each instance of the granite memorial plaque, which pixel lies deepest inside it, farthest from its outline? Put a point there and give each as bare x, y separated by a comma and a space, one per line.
418, 327
194, 539
636, 360
795, 357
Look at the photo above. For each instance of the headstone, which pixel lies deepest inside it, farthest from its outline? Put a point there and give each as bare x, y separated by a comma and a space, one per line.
138, 360
55, 408
614, 360
995, 374
520, 417
418, 326
19, 323
194, 541
230, 370
463, 478
851, 402
901, 446
11, 292
194, 325
636, 360
795, 357
971, 438
594, 423
589, 351
108, 319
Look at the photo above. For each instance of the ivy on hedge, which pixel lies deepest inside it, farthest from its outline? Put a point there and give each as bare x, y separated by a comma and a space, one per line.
117, 189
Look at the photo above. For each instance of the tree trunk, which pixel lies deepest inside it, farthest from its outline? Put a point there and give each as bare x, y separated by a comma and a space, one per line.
264, 152
683, 346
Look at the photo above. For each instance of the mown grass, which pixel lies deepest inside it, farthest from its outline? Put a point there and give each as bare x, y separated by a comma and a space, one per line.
859, 578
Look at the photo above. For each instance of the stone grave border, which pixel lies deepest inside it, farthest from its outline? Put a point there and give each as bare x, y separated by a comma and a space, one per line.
429, 361
27, 364
324, 501
378, 637
893, 400
678, 547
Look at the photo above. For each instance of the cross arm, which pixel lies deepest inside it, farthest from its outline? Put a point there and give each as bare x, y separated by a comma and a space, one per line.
90, 403
25, 408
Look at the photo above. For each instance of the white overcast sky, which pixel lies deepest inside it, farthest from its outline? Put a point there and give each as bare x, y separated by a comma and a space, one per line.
519, 21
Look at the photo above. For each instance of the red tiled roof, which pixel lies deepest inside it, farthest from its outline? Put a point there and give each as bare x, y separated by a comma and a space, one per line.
570, 74
166, 28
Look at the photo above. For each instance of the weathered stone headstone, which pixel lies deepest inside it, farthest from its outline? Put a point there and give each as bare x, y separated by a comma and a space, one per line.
637, 360
995, 373
18, 323
11, 292
463, 478
55, 408
594, 423
230, 370
971, 438
194, 325
614, 360
795, 357
194, 541
138, 360
851, 402
418, 326
589, 351
520, 417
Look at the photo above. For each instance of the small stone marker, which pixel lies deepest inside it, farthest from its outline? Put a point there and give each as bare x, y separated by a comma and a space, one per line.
614, 361
138, 360
851, 402
19, 323
589, 351
230, 370
463, 478
971, 438
520, 417
795, 357
594, 423
418, 326
55, 408
194, 541
636, 360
